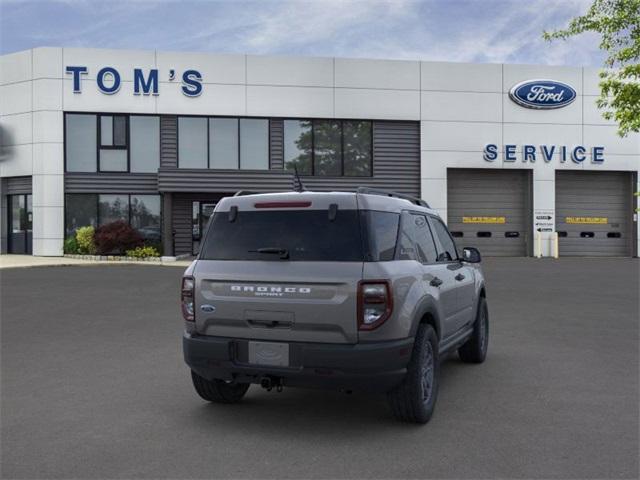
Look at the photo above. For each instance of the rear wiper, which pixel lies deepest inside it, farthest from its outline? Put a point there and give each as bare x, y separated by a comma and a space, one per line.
283, 252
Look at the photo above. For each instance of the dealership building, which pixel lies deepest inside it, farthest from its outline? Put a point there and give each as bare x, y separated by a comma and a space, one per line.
516, 158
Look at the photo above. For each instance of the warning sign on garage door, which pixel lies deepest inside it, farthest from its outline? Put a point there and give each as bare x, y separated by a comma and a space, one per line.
587, 220
544, 220
484, 220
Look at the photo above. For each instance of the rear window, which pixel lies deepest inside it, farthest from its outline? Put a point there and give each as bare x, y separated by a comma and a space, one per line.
305, 235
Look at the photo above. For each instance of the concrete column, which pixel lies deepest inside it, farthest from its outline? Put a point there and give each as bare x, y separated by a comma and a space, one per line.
544, 202
433, 182
48, 184
167, 224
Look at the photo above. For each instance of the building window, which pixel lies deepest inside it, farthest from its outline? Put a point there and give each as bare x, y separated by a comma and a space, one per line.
297, 146
142, 212
113, 131
223, 143
357, 148
112, 143
145, 143
80, 142
80, 211
192, 142
146, 218
254, 144
329, 147
112, 208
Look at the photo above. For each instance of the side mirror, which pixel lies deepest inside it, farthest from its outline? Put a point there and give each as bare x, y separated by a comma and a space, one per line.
471, 255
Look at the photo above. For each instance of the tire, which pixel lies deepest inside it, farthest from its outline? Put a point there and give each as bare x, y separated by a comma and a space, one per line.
415, 398
474, 350
218, 391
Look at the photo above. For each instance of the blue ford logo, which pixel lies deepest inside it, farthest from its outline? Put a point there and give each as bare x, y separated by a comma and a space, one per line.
542, 94
208, 308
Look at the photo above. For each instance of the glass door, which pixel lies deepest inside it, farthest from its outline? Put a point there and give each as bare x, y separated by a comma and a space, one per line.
200, 214
20, 224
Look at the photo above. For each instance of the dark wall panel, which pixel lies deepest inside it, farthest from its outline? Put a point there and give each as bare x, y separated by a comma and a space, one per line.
111, 183
276, 144
18, 185
181, 219
168, 141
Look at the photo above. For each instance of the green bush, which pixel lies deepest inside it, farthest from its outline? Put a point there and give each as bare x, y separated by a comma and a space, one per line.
84, 237
70, 245
143, 252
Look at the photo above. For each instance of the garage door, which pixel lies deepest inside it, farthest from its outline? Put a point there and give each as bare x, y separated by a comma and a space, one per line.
489, 210
594, 213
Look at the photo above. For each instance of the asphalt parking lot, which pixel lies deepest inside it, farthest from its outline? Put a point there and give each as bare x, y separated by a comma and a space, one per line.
93, 386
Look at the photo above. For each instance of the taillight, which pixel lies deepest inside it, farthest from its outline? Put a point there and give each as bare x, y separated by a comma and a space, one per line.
375, 303
186, 298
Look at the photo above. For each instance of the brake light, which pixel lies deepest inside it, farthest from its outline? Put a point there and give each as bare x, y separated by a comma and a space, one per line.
186, 298
375, 303
282, 204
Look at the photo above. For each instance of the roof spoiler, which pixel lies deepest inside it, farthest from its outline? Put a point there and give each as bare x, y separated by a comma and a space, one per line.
389, 193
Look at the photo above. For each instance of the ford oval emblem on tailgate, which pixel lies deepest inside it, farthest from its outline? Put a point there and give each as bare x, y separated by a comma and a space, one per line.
207, 308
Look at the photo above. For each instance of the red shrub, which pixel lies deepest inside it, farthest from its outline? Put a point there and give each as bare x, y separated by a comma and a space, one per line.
116, 238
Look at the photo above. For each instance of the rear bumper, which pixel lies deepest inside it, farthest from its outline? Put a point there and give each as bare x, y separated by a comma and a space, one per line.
378, 366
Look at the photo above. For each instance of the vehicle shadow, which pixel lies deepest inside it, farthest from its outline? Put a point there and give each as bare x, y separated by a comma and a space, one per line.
325, 411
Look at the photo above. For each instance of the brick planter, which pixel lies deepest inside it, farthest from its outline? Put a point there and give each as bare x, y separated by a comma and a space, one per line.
115, 258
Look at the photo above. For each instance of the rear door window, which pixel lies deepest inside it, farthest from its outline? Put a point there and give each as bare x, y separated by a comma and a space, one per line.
447, 249
415, 241
305, 235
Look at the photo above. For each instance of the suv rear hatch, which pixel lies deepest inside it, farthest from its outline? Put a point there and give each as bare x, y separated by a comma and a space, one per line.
281, 267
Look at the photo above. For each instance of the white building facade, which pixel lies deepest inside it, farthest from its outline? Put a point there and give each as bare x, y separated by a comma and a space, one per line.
156, 138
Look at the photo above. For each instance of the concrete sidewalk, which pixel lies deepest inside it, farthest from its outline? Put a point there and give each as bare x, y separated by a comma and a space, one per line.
25, 261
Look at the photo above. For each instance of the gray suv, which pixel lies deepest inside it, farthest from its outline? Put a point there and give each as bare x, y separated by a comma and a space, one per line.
351, 291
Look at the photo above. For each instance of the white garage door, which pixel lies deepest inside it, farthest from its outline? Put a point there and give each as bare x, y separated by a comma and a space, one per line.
594, 213
489, 210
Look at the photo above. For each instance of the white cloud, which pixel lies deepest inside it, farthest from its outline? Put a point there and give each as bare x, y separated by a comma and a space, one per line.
455, 30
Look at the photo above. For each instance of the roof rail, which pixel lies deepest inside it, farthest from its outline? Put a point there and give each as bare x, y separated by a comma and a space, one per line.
388, 193
241, 193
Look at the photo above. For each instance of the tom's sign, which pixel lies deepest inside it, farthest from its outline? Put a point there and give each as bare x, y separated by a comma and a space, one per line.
542, 94
108, 80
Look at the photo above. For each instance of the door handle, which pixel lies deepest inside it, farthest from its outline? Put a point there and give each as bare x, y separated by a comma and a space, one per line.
436, 282
459, 277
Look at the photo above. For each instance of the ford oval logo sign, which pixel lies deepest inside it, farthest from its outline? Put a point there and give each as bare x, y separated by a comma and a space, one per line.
542, 94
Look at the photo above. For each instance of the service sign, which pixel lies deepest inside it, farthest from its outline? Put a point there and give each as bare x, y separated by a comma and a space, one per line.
542, 94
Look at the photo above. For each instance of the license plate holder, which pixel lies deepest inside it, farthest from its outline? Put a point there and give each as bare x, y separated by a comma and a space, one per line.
269, 353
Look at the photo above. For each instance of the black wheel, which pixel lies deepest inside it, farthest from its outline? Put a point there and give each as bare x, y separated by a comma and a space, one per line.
475, 349
415, 398
218, 391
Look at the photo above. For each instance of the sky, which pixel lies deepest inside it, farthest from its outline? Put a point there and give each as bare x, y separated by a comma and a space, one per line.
486, 31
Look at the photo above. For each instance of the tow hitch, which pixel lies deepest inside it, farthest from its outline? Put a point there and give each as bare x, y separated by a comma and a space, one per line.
269, 383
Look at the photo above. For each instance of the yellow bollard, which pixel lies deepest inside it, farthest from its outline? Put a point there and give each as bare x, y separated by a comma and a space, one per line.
538, 250
556, 248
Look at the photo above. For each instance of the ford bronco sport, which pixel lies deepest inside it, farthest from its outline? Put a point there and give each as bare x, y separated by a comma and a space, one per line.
352, 291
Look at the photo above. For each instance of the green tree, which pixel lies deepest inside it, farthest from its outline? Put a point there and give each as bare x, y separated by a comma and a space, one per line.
618, 23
